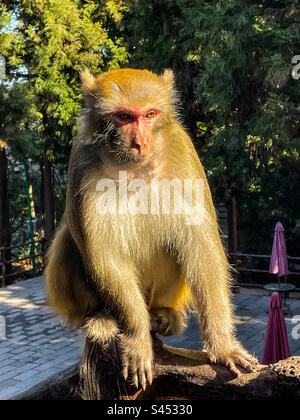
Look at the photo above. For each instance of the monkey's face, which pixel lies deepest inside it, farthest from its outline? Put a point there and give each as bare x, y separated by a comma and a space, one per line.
135, 126
130, 105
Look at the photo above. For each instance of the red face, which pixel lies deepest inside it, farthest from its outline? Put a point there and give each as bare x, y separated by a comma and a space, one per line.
136, 125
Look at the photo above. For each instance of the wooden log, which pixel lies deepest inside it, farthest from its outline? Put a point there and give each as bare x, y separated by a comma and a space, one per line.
183, 374
101, 373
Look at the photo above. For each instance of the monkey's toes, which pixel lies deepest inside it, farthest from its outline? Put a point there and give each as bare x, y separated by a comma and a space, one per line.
242, 359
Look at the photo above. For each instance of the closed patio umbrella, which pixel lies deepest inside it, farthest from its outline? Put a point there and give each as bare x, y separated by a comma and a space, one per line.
279, 267
279, 262
276, 345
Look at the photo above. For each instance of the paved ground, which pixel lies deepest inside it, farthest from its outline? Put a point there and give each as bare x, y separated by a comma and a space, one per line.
37, 346
252, 318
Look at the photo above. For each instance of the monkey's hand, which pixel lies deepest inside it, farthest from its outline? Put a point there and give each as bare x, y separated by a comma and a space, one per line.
137, 359
236, 356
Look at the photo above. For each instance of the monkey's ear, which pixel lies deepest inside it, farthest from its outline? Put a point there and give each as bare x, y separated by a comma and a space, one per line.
168, 78
88, 81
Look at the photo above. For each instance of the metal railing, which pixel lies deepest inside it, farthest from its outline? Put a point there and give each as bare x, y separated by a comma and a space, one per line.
37, 261
241, 267
38, 258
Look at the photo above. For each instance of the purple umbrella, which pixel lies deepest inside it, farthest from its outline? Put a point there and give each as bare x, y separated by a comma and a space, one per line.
279, 262
276, 341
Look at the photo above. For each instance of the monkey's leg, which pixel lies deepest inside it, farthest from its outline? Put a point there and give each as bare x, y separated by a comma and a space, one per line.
68, 292
167, 321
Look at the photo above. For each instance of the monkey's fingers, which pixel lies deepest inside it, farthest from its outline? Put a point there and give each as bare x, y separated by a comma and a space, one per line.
137, 375
125, 367
142, 375
149, 373
243, 360
142, 379
135, 380
244, 363
137, 361
251, 359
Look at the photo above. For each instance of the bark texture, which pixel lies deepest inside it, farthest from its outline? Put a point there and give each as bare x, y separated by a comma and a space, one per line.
187, 375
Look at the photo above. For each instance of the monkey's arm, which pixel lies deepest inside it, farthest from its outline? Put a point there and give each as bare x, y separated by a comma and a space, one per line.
115, 278
206, 268
209, 279
116, 281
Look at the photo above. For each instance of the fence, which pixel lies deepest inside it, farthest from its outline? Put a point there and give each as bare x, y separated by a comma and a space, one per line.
36, 258
241, 262
244, 263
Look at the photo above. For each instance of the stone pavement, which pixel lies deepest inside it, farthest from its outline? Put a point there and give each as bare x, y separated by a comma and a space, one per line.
37, 346
251, 324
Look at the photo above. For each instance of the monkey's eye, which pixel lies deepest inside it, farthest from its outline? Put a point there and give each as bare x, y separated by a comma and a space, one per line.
150, 114
123, 116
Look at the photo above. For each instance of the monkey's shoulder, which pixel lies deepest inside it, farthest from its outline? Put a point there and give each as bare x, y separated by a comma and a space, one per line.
179, 153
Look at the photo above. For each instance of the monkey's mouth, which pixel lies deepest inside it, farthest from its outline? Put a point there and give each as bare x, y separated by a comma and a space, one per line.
124, 153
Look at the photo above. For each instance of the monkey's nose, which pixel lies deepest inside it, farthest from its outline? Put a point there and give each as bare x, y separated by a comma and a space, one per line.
136, 146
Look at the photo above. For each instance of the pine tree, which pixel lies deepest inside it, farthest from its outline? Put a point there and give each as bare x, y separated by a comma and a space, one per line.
55, 41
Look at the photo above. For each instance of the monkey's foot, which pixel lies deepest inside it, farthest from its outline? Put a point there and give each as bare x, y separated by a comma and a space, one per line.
167, 321
137, 359
238, 357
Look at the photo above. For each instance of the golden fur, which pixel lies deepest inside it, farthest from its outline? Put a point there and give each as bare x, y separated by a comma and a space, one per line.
113, 273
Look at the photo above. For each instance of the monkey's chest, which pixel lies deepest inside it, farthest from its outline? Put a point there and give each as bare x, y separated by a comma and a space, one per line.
139, 241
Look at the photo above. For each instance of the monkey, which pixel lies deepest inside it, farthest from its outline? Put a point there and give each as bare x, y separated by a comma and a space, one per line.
122, 274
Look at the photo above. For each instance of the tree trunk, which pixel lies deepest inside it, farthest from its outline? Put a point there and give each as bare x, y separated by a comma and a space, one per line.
5, 235
184, 374
232, 228
48, 200
179, 374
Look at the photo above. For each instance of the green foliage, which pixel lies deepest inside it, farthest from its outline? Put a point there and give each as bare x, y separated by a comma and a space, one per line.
62, 39
247, 104
6, 32
232, 61
18, 120
254, 101
46, 48
155, 42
